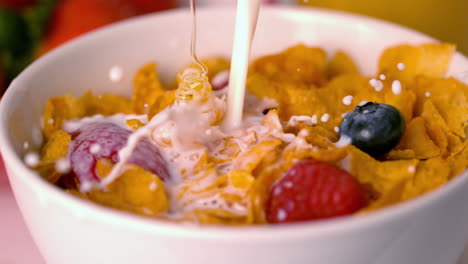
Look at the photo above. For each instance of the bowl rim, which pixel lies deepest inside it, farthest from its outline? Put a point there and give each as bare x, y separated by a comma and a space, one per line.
253, 233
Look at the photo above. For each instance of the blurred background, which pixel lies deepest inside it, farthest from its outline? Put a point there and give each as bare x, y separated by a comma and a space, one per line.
31, 28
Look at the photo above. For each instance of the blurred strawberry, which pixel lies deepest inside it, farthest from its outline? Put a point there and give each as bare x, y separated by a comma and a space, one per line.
2, 84
72, 18
149, 6
17, 4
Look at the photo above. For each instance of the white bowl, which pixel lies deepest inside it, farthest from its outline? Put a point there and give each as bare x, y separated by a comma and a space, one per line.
430, 229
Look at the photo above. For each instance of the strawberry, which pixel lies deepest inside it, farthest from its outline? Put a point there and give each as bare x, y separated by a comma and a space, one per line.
17, 4
3, 83
99, 140
313, 190
149, 6
72, 18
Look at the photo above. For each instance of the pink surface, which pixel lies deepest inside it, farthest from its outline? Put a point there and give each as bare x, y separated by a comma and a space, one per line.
16, 244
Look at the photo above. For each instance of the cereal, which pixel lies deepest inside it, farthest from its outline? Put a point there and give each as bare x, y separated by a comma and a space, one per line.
404, 62
131, 191
147, 88
59, 109
105, 104
416, 139
341, 63
299, 64
295, 104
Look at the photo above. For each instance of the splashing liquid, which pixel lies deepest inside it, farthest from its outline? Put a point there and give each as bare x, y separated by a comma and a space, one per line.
194, 83
193, 39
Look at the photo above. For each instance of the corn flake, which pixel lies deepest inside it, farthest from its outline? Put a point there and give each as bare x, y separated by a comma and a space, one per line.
60, 109
417, 139
430, 174
136, 190
340, 64
404, 62
146, 88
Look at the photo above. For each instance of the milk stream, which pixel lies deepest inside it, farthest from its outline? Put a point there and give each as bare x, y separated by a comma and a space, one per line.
193, 38
246, 22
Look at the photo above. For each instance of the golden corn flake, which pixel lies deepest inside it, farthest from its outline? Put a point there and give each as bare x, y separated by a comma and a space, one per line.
458, 161
105, 104
384, 176
436, 127
134, 124
403, 101
219, 217
160, 103
60, 109
250, 160
340, 64
146, 88
56, 147
136, 190
430, 174
398, 154
416, 138
299, 65
241, 179
404, 62
259, 193
448, 97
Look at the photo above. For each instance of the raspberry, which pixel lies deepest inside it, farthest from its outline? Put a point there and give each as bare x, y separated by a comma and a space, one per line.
103, 140
313, 190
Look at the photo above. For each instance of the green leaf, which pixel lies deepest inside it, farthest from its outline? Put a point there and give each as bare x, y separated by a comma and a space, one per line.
14, 36
37, 18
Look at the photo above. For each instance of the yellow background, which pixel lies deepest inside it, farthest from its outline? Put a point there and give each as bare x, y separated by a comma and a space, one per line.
446, 20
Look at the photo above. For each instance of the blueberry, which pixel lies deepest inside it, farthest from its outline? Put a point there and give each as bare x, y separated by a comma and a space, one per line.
373, 128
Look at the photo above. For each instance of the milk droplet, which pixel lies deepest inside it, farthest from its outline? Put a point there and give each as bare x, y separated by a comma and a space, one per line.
314, 119
365, 133
325, 117
362, 103
31, 159
378, 85
62, 165
115, 74
281, 215
277, 191
401, 66
37, 136
347, 99
220, 80
95, 148
343, 141
396, 87
153, 185
411, 169
427, 94
382, 77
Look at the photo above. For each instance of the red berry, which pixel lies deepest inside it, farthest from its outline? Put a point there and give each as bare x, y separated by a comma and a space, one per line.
103, 140
72, 18
149, 6
17, 4
313, 190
